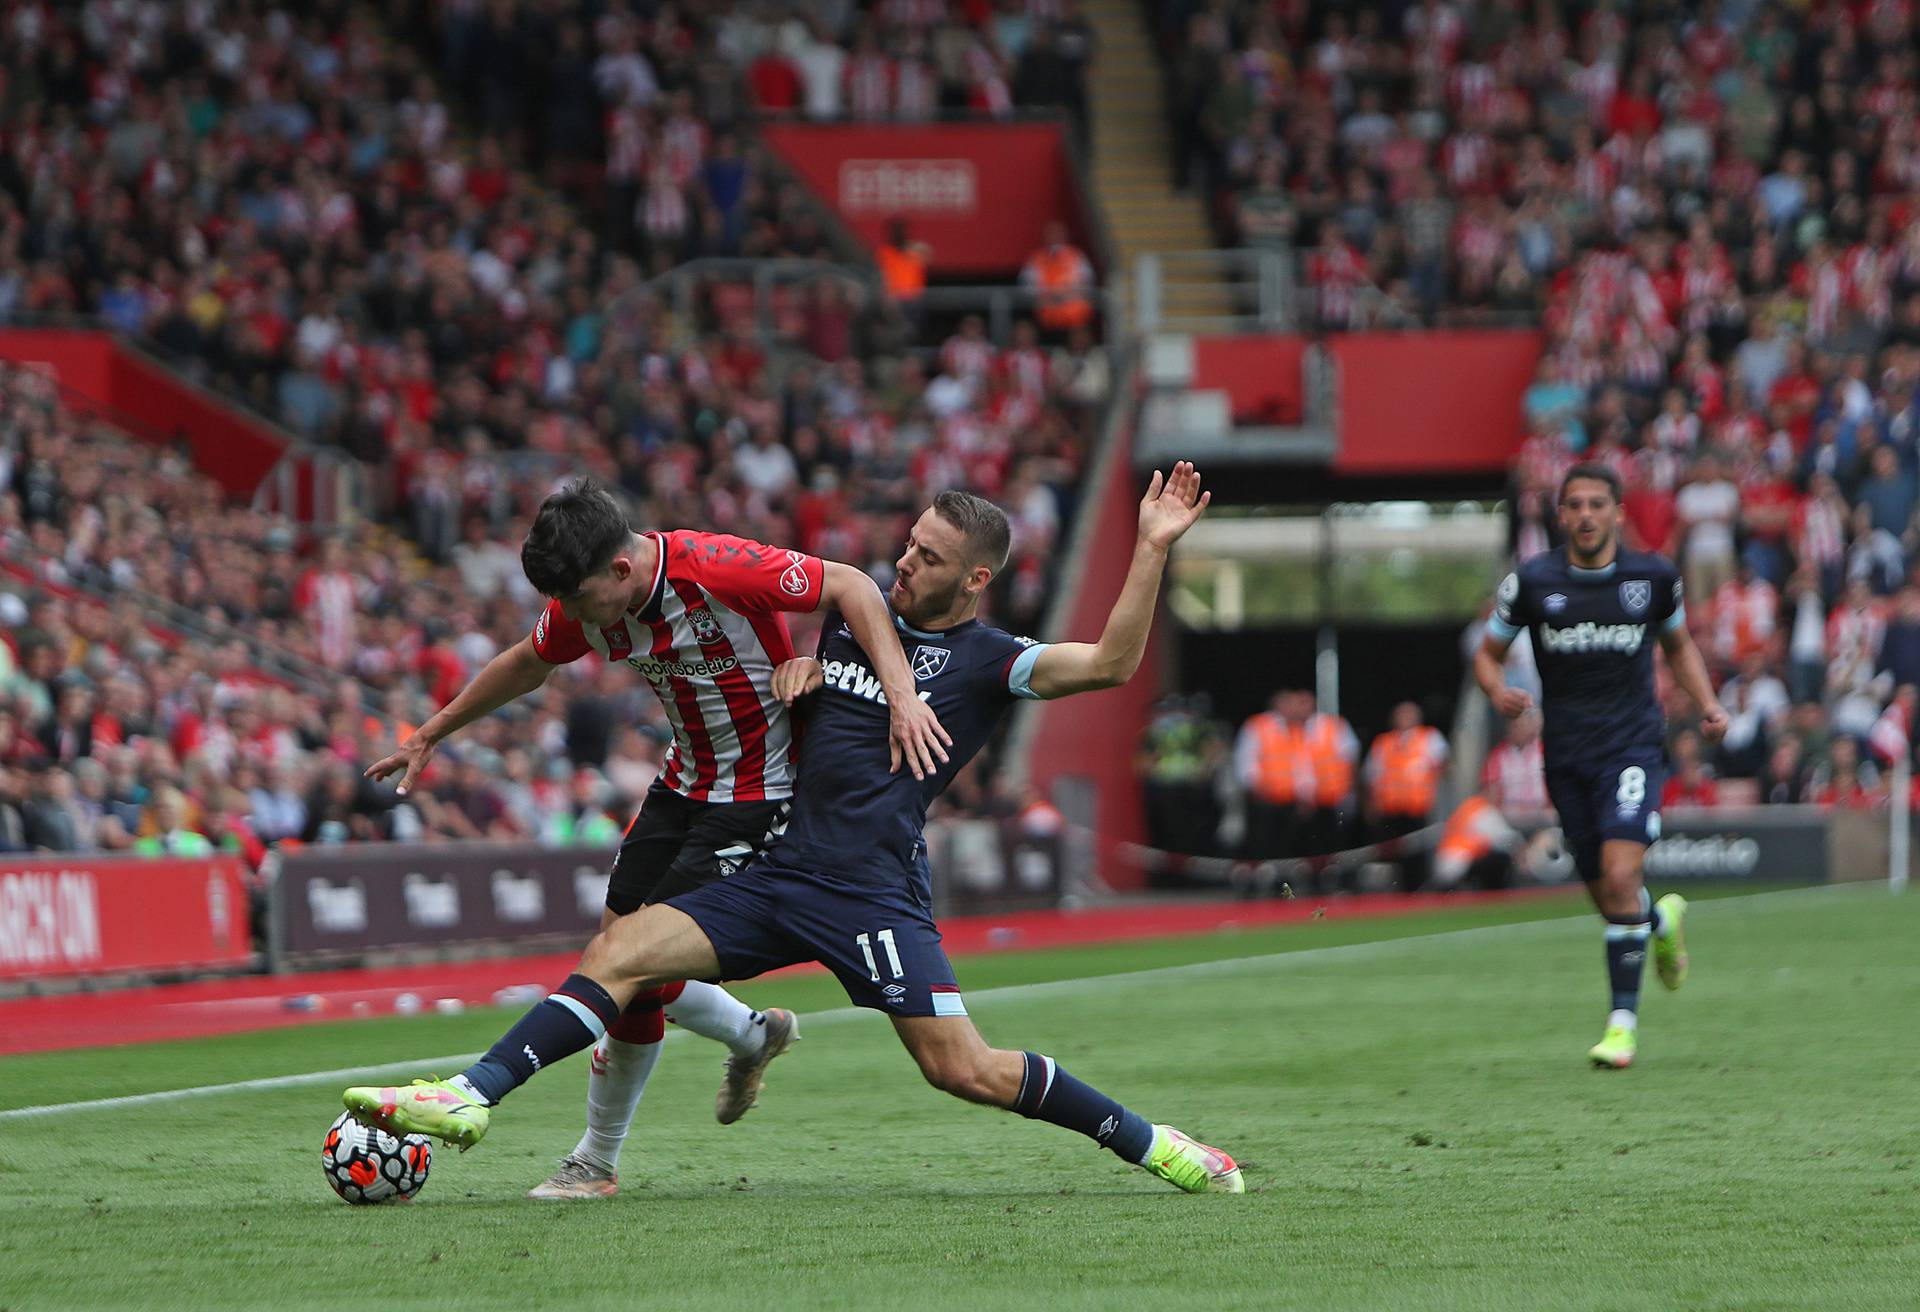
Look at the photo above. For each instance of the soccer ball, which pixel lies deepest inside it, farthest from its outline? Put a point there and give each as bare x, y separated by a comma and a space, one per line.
365, 1164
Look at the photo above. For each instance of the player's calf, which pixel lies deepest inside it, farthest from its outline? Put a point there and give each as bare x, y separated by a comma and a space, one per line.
955, 1059
1633, 923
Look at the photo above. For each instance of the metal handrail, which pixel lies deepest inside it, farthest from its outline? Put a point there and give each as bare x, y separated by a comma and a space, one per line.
164, 359
1281, 295
1266, 274
274, 661
999, 301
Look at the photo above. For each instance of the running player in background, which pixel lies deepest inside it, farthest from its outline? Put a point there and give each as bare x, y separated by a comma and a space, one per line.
1589, 607
701, 617
849, 886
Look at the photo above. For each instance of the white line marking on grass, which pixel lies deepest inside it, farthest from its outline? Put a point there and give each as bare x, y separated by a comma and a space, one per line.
210, 1090
1219, 965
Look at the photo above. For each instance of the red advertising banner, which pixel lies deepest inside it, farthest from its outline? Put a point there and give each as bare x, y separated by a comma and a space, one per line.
1440, 402
980, 194
81, 915
1096, 736
228, 444
1409, 403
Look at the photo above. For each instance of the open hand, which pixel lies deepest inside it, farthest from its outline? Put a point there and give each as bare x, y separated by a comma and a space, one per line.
412, 758
914, 735
1513, 702
1170, 509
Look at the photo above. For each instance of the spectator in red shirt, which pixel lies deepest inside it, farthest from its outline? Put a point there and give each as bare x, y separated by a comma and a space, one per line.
1634, 113
1768, 504
1845, 782
1692, 783
1652, 521
775, 83
1799, 392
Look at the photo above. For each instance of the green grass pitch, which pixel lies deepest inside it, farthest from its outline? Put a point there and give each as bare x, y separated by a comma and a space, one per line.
1409, 1099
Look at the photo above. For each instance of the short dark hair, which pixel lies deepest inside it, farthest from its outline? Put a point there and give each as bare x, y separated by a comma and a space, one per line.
1596, 472
984, 524
578, 532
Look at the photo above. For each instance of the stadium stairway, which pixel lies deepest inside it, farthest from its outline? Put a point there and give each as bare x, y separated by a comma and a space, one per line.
1133, 160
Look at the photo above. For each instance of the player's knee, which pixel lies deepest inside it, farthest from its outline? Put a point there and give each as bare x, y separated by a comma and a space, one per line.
961, 1076
1618, 893
958, 1069
599, 958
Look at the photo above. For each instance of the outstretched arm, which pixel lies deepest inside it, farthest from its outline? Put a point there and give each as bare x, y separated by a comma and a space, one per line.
1167, 511
512, 674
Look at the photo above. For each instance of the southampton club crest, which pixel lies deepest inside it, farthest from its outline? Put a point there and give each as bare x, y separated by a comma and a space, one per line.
929, 661
1635, 594
706, 629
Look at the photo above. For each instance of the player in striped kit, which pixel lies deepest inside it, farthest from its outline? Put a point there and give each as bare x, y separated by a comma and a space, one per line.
702, 617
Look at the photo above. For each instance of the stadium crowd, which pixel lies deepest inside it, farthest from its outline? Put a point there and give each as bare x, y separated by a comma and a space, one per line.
118, 729
1443, 162
1713, 213
594, 94
287, 209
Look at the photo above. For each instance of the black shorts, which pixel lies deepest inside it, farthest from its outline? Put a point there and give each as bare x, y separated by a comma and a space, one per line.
1614, 799
878, 939
676, 844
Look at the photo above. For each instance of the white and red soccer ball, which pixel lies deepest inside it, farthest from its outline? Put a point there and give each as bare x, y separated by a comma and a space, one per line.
365, 1164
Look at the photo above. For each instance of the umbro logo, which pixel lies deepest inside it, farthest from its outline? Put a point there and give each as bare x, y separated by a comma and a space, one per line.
1107, 1127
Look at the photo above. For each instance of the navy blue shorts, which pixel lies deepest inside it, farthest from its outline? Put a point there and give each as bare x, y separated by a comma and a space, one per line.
1617, 799
677, 844
878, 939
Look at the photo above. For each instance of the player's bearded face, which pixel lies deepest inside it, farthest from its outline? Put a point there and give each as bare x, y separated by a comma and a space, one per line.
931, 572
1589, 516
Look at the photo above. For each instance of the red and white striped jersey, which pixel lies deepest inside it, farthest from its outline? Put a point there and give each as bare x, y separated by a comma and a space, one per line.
708, 639
869, 87
1515, 777
916, 91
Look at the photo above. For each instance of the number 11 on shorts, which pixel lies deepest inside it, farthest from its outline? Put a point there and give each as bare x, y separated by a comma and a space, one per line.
893, 955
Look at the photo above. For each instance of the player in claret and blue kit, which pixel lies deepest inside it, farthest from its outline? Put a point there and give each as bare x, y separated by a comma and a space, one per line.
1593, 611
849, 886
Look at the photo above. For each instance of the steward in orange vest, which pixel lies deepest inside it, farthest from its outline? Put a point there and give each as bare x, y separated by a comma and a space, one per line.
1063, 277
903, 265
1404, 767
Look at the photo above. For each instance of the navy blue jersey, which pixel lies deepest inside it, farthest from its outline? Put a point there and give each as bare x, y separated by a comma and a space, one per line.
1593, 633
850, 816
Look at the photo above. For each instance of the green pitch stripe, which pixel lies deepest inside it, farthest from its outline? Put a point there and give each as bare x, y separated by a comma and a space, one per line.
1223, 965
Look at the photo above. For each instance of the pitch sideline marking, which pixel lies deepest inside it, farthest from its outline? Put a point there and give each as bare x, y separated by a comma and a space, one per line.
1224, 964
